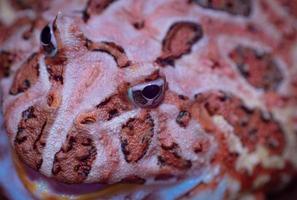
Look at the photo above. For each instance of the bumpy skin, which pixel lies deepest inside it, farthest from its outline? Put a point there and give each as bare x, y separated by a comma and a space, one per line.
229, 103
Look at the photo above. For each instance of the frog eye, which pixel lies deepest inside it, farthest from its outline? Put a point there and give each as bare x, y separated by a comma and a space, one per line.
48, 42
149, 94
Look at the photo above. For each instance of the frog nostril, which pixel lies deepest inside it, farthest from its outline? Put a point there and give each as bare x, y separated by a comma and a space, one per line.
151, 91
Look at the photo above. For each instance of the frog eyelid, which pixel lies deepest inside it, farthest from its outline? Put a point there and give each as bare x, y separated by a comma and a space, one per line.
160, 82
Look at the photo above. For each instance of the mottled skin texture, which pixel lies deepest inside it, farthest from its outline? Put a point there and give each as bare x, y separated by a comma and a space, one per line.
228, 102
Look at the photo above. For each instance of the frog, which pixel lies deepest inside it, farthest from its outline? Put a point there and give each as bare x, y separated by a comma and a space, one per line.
153, 92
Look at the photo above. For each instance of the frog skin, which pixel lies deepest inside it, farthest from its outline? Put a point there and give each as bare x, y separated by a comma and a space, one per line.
150, 92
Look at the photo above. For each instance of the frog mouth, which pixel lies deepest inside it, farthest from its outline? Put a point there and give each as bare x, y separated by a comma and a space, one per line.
42, 187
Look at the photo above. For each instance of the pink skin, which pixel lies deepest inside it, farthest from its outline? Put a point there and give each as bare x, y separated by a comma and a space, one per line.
90, 77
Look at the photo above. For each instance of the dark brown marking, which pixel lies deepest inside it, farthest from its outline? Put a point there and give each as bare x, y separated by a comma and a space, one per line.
251, 126
55, 67
259, 69
26, 76
73, 162
31, 136
169, 156
233, 7
113, 107
178, 41
136, 137
183, 118
111, 48
6, 61
95, 7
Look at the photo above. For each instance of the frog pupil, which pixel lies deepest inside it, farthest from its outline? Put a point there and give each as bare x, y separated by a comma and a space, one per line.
151, 91
46, 35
